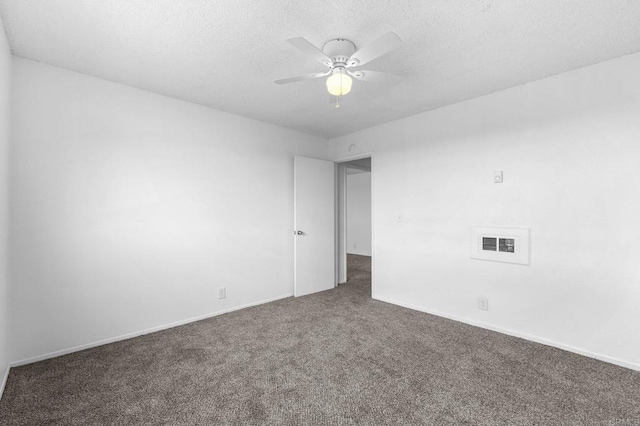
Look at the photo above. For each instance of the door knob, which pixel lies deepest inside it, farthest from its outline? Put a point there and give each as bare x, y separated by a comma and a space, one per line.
299, 233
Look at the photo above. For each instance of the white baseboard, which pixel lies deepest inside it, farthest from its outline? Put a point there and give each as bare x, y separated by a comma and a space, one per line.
4, 381
139, 333
542, 340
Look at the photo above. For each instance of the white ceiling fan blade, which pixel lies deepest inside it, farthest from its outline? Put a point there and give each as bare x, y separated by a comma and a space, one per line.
374, 76
371, 51
302, 77
303, 45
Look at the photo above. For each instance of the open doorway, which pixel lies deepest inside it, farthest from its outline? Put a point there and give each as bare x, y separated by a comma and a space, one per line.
355, 222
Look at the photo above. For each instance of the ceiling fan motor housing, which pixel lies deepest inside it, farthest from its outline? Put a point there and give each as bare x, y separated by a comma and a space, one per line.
339, 50
341, 57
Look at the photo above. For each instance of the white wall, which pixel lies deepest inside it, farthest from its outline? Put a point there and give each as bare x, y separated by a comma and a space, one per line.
569, 146
130, 209
5, 91
359, 213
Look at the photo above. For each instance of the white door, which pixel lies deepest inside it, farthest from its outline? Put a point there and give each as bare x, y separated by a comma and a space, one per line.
314, 216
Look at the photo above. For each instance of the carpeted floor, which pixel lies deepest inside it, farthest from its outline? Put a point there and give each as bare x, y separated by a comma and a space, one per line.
336, 357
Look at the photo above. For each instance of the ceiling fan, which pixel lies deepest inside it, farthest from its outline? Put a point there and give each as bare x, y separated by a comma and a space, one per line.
341, 56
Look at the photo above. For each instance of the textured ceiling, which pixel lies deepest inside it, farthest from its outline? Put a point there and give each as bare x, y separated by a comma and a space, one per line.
227, 53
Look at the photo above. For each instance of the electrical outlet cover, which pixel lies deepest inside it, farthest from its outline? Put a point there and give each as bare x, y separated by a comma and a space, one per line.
483, 303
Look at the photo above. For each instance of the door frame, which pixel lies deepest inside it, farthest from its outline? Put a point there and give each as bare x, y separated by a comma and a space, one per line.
341, 214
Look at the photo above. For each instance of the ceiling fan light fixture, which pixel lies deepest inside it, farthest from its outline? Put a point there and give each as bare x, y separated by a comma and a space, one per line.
339, 83
340, 54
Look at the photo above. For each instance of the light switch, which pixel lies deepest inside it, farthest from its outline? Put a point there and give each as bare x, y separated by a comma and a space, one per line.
497, 176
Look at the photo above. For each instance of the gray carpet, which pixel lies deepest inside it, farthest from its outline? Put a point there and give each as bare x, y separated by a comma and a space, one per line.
336, 358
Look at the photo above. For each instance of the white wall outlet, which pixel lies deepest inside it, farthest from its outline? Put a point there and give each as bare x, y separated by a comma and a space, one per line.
483, 303
497, 176
222, 293
400, 219
355, 246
